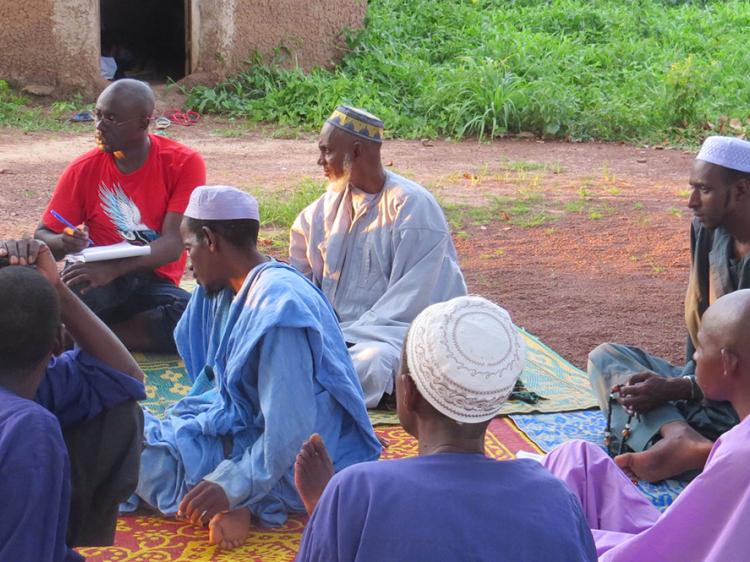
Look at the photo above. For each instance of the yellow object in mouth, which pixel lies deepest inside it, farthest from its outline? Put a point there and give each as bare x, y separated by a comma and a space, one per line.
118, 154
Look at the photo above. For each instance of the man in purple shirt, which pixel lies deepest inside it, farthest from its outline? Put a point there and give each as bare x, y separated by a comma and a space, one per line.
460, 361
89, 393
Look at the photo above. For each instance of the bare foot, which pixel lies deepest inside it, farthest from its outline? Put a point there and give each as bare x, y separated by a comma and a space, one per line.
680, 449
229, 529
312, 471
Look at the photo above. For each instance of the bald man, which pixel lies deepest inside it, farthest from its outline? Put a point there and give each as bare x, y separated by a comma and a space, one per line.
708, 521
376, 244
132, 187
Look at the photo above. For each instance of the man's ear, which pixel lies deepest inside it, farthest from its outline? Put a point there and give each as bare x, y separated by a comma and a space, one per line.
212, 241
742, 189
412, 397
730, 362
356, 149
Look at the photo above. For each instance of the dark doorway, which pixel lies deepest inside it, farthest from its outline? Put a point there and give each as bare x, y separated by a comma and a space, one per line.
146, 38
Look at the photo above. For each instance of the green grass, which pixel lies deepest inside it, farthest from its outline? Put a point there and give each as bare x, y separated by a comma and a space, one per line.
575, 206
278, 209
523, 165
637, 70
18, 111
527, 210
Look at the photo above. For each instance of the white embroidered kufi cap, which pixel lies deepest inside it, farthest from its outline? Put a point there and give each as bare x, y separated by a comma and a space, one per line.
465, 356
728, 152
221, 202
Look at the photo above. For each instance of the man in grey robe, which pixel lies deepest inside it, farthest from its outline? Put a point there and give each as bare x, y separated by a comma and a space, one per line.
672, 426
376, 244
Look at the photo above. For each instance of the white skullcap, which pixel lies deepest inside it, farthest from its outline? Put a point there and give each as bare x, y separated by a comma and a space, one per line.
728, 152
465, 356
220, 203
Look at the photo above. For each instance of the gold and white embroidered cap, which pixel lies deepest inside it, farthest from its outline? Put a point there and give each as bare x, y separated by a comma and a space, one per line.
465, 356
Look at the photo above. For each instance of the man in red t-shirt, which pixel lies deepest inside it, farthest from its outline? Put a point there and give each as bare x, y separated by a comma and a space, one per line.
134, 187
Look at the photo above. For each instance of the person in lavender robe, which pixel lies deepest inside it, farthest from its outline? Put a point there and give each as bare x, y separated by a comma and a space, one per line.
376, 244
70, 426
460, 361
708, 520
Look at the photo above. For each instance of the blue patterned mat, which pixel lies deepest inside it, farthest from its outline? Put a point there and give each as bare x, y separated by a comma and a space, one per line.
550, 430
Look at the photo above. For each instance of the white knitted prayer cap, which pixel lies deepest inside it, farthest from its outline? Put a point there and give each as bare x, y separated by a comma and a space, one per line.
728, 152
221, 202
465, 356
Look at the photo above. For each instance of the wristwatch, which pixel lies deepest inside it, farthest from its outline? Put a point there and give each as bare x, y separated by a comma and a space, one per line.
695, 390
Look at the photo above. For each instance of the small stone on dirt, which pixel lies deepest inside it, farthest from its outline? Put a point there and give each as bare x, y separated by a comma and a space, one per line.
39, 89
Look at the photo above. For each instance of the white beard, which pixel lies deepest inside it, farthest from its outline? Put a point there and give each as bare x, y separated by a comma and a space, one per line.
339, 184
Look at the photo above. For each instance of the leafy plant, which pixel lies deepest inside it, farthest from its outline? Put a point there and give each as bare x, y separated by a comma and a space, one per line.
644, 70
17, 110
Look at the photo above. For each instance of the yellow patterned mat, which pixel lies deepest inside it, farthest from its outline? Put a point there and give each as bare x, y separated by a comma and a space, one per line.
564, 386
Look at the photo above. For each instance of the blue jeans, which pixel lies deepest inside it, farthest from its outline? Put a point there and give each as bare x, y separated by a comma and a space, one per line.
612, 363
143, 293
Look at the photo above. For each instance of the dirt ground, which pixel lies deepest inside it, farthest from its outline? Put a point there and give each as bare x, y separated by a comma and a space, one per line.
606, 260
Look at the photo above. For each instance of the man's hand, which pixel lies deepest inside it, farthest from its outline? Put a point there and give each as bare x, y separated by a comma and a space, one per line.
31, 252
203, 502
73, 241
645, 391
91, 275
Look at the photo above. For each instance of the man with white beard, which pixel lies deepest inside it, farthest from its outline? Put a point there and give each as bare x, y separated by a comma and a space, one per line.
376, 244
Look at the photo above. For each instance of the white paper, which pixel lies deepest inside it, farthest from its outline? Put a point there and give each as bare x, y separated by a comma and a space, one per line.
533, 456
111, 252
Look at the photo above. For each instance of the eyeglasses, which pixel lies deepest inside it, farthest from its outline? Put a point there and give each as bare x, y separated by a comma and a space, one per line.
111, 121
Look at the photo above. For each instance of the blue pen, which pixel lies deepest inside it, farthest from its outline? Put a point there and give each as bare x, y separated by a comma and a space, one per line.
66, 222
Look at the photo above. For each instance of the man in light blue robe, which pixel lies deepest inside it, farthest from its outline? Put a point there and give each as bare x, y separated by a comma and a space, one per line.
270, 367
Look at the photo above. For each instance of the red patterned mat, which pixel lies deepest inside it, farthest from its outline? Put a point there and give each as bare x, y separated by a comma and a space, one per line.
154, 539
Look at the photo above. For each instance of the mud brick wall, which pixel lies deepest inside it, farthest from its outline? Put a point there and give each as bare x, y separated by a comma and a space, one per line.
51, 47
309, 33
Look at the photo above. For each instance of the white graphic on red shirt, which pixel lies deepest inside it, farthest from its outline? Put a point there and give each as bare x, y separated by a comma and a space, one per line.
125, 215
